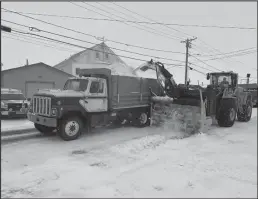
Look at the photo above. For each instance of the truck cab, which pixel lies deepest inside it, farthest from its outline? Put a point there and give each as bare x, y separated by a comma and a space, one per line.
94, 90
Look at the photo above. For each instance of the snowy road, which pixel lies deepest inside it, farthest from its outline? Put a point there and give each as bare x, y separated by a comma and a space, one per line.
130, 162
15, 124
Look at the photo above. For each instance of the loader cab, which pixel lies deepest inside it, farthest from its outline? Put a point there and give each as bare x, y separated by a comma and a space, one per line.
223, 80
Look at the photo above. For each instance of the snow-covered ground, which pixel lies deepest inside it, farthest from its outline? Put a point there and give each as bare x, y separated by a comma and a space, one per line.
15, 124
130, 162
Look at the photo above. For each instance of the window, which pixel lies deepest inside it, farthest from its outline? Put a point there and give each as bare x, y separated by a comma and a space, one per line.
96, 87
106, 55
97, 55
76, 84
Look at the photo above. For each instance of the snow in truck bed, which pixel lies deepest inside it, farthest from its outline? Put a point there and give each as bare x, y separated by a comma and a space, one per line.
130, 162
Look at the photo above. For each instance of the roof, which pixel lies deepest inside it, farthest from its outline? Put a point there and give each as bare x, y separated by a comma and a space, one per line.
81, 52
37, 64
10, 90
248, 85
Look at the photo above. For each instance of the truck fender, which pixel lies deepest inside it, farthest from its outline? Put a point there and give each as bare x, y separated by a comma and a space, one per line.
69, 110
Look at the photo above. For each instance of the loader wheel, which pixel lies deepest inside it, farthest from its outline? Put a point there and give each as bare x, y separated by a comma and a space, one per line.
227, 114
45, 130
247, 113
70, 128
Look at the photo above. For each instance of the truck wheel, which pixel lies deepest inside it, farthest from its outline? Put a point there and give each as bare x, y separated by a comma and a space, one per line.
70, 128
45, 130
227, 115
247, 112
142, 119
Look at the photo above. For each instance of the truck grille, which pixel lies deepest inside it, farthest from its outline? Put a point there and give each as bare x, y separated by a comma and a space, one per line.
14, 107
41, 105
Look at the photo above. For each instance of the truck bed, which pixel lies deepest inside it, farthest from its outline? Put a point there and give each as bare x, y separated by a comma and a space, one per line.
125, 91
132, 91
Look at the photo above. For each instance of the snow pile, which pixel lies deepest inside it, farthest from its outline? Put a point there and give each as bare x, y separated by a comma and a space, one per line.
121, 69
146, 74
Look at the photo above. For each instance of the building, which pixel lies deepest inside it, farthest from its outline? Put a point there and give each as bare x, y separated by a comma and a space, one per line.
98, 56
30, 78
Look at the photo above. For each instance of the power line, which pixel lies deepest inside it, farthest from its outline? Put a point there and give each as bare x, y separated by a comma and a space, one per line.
135, 18
206, 63
139, 22
76, 45
118, 16
233, 55
150, 19
38, 43
72, 30
39, 30
201, 67
228, 52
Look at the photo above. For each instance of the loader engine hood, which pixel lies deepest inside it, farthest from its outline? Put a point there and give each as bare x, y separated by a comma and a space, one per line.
61, 93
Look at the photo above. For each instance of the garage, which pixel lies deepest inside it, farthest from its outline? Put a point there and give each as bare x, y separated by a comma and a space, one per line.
32, 87
30, 78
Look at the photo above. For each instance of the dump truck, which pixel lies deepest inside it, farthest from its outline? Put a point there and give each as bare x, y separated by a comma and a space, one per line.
95, 98
194, 110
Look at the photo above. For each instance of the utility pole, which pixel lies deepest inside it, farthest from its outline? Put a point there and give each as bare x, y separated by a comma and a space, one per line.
187, 45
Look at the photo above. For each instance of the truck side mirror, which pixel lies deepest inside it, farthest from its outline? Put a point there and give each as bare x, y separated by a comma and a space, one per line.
248, 75
208, 76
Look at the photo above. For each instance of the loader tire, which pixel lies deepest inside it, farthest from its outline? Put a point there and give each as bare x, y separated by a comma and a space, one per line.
247, 112
70, 128
45, 130
227, 113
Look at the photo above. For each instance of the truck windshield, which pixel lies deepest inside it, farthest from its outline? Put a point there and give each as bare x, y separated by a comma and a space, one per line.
11, 96
76, 84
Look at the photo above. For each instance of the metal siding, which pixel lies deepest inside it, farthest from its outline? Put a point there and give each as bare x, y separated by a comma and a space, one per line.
32, 87
132, 91
17, 78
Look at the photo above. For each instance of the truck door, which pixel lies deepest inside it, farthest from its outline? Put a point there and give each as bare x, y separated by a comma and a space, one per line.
96, 98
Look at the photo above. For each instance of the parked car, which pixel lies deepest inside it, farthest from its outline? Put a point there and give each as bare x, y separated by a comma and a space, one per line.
13, 103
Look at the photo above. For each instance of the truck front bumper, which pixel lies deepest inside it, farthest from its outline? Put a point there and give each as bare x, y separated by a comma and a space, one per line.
46, 121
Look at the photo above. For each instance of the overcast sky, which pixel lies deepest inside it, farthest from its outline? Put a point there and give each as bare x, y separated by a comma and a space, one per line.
240, 14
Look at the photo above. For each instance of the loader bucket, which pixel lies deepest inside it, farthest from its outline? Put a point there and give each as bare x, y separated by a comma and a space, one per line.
187, 119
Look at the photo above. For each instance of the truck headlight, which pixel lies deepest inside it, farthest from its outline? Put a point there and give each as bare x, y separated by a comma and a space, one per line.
54, 112
4, 105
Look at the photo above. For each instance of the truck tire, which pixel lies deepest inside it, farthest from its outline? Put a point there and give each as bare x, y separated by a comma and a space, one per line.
45, 130
227, 113
247, 112
142, 119
70, 128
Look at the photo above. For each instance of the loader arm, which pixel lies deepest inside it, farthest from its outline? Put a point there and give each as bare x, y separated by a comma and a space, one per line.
164, 78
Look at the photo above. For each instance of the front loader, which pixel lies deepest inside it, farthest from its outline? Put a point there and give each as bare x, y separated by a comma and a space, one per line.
189, 110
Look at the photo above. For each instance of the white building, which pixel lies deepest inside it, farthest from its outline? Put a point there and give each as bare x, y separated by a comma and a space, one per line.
98, 56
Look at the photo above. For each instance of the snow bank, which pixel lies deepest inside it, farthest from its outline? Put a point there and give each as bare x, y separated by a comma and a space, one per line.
222, 163
16, 124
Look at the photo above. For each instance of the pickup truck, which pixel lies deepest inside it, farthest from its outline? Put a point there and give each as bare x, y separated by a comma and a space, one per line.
13, 103
95, 98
